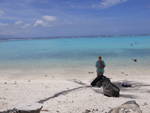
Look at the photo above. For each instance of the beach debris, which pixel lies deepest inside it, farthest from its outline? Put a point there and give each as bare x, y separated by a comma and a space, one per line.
122, 73
45, 110
46, 75
126, 84
15, 82
5, 82
72, 101
135, 60
29, 80
126, 74
36, 108
87, 111
58, 111
90, 72
90, 111
94, 110
128, 107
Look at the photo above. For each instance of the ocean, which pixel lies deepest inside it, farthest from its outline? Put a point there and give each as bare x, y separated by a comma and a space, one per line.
74, 53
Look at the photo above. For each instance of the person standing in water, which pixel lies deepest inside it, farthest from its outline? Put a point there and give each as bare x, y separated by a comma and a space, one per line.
100, 65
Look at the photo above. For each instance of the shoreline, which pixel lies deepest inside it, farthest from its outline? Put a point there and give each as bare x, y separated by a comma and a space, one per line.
74, 73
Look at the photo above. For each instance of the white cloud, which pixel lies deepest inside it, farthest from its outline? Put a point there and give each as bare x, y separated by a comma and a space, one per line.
19, 22
22, 24
45, 21
110, 3
49, 18
39, 23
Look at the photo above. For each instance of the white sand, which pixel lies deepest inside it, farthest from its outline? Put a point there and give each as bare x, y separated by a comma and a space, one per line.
71, 97
76, 98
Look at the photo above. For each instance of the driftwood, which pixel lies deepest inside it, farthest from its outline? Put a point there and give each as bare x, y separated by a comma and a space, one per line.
25, 109
128, 107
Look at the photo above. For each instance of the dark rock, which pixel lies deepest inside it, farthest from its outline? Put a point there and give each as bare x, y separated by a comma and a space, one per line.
110, 89
24, 109
99, 84
10, 111
128, 107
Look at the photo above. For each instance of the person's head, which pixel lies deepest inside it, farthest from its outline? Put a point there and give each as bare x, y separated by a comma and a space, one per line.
100, 57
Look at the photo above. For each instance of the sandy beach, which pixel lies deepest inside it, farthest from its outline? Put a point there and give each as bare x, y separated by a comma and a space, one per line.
52, 50
59, 77
73, 94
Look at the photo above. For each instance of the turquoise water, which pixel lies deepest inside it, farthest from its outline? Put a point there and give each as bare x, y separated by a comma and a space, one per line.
75, 52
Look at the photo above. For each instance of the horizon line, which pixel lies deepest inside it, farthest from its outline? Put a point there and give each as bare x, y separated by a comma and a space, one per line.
78, 36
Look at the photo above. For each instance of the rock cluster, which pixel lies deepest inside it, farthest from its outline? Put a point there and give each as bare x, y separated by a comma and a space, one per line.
128, 107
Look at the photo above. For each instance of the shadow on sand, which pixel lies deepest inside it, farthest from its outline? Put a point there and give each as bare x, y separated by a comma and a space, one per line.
64, 92
135, 87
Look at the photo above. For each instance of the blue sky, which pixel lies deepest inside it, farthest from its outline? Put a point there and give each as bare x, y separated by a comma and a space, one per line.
37, 18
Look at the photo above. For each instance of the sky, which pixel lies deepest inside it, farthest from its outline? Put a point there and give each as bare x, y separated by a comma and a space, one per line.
47, 18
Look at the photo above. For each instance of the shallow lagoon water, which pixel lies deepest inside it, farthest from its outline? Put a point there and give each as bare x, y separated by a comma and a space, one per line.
74, 52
